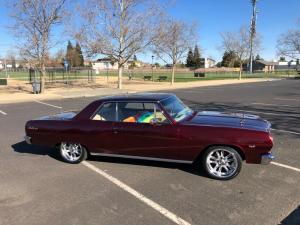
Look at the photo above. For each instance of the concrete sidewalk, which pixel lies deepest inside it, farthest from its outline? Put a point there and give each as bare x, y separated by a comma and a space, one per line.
19, 93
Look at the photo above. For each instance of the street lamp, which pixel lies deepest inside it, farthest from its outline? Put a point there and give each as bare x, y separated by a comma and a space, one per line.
152, 67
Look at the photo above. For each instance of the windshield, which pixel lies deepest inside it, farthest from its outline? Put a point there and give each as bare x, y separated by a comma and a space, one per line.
176, 109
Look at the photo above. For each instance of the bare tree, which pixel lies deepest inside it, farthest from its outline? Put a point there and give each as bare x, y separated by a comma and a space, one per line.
118, 29
289, 43
34, 21
173, 40
239, 43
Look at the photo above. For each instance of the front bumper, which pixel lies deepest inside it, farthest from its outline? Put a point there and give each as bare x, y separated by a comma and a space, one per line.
27, 139
267, 158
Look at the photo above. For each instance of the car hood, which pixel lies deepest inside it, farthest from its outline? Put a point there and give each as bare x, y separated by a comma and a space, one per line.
232, 120
59, 116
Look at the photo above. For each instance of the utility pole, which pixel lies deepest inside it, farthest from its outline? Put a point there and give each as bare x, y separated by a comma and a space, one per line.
5, 64
152, 67
252, 32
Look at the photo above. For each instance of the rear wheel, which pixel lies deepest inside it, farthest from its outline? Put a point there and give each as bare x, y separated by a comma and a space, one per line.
222, 162
72, 152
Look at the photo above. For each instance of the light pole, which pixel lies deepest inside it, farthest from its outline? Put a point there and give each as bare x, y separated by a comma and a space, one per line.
152, 67
106, 65
252, 33
5, 68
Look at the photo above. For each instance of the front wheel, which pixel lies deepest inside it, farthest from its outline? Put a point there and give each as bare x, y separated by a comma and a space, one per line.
72, 152
222, 162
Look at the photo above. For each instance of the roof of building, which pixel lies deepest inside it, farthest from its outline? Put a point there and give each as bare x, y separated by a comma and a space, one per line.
138, 97
104, 60
266, 62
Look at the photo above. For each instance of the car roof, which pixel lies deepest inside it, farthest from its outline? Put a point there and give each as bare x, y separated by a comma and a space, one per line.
138, 97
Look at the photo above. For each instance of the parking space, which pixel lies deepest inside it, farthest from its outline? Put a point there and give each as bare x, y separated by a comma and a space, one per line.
37, 188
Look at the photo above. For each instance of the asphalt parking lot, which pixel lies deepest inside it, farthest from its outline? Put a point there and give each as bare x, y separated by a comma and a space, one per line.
37, 188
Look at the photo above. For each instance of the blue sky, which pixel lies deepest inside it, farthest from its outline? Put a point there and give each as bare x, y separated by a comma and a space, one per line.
213, 17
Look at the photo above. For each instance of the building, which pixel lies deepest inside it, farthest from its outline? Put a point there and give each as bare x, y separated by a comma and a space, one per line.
284, 65
104, 64
208, 62
262, 65
267, 67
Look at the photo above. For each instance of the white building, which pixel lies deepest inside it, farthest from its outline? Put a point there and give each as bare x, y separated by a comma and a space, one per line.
208, 62
284, 63
1, 65
104, 64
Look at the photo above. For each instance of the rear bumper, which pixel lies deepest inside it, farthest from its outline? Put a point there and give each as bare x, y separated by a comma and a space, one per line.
267, 158
27, 139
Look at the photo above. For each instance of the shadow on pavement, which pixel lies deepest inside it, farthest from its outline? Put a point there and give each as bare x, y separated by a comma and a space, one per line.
23, 147
293, 218
189, 168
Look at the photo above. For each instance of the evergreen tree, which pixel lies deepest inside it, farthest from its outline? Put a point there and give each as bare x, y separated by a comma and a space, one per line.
258, 57
70, 53
135, 58
229, 59
282, 59
197, 59
190, 59
78, 56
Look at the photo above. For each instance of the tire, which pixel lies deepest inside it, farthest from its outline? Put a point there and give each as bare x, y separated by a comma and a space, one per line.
72, 152
221, 162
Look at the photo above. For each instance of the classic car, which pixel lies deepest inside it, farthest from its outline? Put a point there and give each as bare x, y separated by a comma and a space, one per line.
156, 126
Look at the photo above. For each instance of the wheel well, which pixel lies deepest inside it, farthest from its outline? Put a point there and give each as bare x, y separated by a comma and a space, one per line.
239, 150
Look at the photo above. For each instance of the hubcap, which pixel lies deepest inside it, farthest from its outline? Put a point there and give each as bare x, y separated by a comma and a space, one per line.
70, 151
221, 163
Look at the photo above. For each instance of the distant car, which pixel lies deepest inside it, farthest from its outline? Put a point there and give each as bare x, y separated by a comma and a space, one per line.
156, 127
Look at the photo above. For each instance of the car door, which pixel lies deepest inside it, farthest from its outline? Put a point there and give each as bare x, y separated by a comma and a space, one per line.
143, 138
100, 135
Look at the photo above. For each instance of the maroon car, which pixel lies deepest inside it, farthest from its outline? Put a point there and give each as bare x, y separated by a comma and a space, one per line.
156, 127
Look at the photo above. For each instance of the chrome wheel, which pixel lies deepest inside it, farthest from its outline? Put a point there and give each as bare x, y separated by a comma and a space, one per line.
71, 152
222, 163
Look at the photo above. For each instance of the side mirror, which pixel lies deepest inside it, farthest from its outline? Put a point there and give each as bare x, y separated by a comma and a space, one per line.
154, 121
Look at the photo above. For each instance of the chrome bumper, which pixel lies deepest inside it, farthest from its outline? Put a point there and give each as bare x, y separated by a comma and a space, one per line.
27, 139
267, 158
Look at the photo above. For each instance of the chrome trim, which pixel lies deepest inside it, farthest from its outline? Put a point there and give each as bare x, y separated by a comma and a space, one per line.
267, 158
140, 157
27, 139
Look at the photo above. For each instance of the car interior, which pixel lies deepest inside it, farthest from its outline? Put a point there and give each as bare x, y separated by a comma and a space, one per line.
131, 112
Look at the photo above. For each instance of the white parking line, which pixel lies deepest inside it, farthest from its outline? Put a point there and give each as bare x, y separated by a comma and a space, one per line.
58, 107
176, 219
286, 131
4, 113
286, 166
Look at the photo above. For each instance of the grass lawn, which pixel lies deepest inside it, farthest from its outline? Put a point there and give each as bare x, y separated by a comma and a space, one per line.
180, 76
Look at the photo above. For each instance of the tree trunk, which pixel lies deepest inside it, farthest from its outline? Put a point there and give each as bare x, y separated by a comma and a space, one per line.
173, 74
42, 81
120, 72
241, 67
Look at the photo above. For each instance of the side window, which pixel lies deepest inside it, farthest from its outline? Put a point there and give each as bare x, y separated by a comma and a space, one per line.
140, 112
107, 112
161, 118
